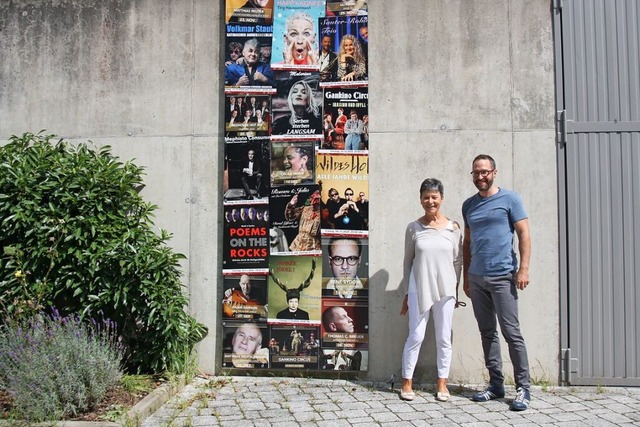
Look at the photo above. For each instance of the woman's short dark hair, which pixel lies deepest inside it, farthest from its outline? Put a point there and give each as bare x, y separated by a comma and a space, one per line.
432, 184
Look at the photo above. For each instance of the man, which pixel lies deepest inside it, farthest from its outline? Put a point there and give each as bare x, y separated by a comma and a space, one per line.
354, 128
234, 53
246, 290
363, 206
246, 346
293, 312
251, 176
336, 319
328, 60
492, 276
344, 259
252, 12
364, 36
250, 72
348, 216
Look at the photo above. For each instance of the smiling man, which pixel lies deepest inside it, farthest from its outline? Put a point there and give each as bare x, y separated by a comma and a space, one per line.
492, 276
249, 72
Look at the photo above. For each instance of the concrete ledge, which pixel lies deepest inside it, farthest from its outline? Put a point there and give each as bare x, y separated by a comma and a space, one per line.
153, 401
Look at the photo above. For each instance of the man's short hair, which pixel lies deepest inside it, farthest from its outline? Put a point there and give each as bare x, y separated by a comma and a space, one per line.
485, 157
327, 317
353, 239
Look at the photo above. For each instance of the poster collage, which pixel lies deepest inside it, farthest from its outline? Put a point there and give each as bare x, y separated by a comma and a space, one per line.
296, 210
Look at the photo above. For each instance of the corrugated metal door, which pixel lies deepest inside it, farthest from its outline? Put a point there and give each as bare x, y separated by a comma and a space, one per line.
598, 93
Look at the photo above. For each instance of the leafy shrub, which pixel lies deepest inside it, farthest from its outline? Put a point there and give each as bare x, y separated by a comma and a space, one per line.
76, 234
54, 366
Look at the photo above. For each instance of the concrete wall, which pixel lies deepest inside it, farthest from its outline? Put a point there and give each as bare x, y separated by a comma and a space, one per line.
448, 80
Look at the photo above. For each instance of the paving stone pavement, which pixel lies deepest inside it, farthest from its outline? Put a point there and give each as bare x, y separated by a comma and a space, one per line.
283, 402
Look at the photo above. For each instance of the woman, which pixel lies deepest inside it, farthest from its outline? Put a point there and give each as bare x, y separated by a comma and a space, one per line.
297, 163
299, 40
352, 63
329, 130
304, 117
432, 264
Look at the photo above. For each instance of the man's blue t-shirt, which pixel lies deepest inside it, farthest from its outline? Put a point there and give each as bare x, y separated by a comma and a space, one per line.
490, 220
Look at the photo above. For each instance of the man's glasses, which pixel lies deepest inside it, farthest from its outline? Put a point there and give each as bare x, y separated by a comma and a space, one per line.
237, 52
348, 194
333, 194
482, 174
338, 260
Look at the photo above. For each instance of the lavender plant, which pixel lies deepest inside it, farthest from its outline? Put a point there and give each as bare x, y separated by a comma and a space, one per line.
54, 366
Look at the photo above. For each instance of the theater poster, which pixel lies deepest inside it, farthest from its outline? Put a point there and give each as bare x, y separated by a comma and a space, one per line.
294, 347
295, 290
346, 118
349, 38
297, 106
246, 238
345, 324
294, 211
244, 297
295, 33
344, 180
245, 345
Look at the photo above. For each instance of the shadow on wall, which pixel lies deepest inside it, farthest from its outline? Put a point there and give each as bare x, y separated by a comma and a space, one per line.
388, 333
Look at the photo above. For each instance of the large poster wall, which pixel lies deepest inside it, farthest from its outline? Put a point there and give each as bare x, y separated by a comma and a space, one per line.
296, 247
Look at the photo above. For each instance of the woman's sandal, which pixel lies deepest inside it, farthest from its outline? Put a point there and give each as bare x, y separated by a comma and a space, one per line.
443, 396
407, 395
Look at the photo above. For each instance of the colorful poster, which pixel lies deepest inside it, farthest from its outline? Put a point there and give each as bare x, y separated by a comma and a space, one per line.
297, 105
345, 267
295, 211
344, 360
245, 345
295, 34
295, 289
346, 7
292, 163
247, 171
345, 324
294, 347
343, 178
246, 241
249, 11
248, 58
346, 118
245, 297
348, 38
247, 118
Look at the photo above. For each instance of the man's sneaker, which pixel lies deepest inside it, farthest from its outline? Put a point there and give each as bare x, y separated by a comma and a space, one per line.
490, 393
521, 402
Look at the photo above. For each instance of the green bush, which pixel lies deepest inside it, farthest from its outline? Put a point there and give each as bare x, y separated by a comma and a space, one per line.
75, 234
54, 367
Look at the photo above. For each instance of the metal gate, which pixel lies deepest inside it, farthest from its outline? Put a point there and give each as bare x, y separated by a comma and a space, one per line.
597, 45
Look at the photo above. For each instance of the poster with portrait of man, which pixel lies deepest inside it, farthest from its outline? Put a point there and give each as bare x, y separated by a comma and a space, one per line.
349, 41
295, 289
344, 180
345, 267
247, 60
297, 106
244, 297
345, 323
295, 34
295, 212
345, 119
247, 118
245, 345
294, 347
249, 12
246, 170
